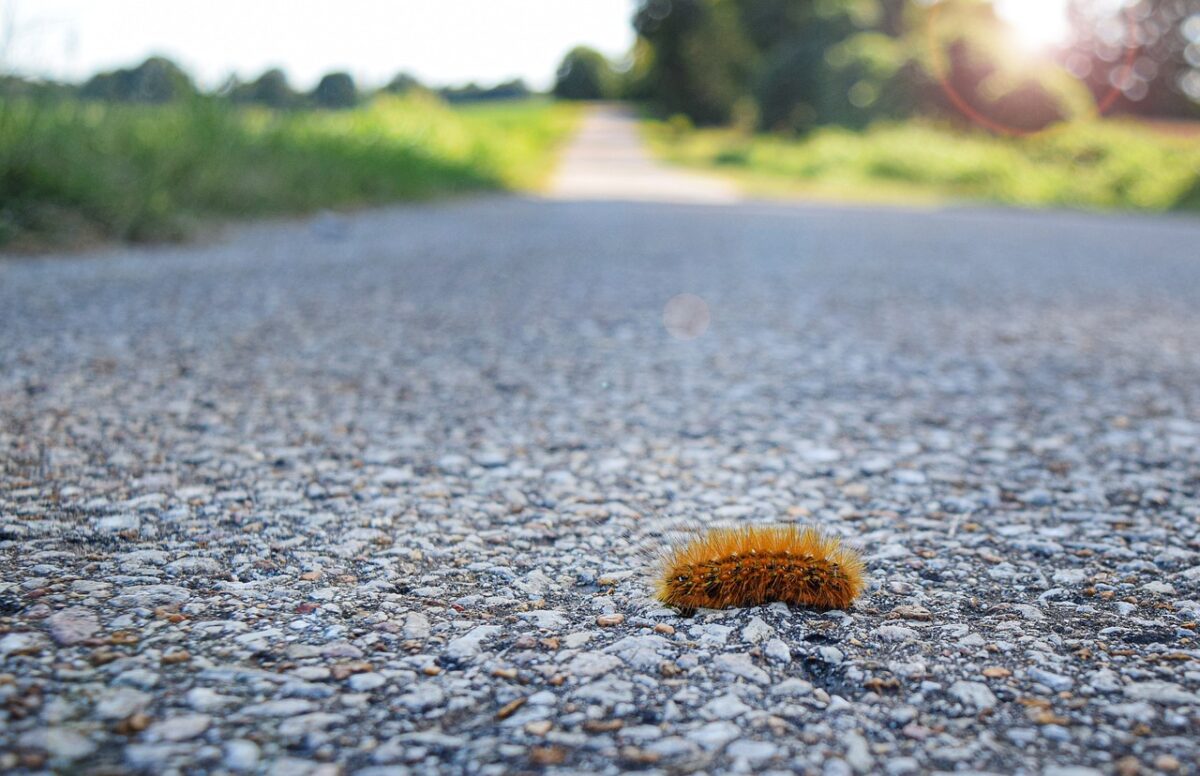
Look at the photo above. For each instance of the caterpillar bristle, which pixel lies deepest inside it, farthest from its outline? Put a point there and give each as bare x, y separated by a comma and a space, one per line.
725, 568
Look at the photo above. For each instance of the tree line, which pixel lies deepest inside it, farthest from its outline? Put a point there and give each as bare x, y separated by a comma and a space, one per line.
159, 80
796, 64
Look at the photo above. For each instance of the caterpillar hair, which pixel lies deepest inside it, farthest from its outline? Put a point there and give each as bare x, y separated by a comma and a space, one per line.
724, 568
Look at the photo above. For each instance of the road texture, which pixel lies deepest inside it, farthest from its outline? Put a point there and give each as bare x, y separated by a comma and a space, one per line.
382, 493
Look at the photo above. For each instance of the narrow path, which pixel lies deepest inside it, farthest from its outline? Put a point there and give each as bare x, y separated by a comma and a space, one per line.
379, 499
609, 161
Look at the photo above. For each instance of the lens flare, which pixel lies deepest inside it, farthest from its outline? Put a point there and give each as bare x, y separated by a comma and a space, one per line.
1037, 24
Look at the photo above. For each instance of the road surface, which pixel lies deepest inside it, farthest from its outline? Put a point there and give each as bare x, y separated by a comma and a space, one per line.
382, 493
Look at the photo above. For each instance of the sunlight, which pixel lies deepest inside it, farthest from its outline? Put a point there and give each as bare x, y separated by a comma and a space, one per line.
1037, 23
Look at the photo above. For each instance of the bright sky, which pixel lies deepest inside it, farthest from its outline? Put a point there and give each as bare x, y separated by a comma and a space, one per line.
1037, 22
439, 41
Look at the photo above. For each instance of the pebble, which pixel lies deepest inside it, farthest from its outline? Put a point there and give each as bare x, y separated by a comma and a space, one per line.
974, 695
73, 625
181, 728
61, 744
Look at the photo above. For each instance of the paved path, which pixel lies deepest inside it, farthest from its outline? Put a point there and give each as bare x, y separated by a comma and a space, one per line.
384, 498
608, 161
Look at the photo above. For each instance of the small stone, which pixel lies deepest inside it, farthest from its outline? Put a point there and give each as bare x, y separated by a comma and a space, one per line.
592, 664
181, 728
121, 702
996, 672
609, 620
1056, 682
73, 625
777, 651
974, 695
715, 735
913, 612
1167, 693
286, 707
753, 752
241, 755
895, 633
727, 706
60, 744
743, 666
470, 644
366, 682
416, 626
539, 728
26, 643
546, 619
757, 630
205, 699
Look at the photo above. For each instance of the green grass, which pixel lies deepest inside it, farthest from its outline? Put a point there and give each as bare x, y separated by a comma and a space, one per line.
1104, 165
71, 171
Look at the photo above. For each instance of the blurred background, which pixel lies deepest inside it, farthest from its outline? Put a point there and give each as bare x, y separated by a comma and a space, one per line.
143, 121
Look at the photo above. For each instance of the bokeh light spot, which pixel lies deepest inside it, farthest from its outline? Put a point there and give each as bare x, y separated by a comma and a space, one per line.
686, 316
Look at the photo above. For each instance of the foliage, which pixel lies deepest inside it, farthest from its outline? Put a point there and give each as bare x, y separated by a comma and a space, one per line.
802, 64
585, 74
1105, 164
70, 169
403, 83
157, 80
270, 89
700, 61
335, 91
516, 89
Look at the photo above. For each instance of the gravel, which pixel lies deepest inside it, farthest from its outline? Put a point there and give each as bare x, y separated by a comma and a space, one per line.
385, 499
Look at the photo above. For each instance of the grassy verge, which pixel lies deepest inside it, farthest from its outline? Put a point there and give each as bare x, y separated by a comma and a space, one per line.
1104, 165
72, 171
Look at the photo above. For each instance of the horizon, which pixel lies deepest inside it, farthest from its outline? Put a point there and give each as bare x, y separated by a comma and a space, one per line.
450, 42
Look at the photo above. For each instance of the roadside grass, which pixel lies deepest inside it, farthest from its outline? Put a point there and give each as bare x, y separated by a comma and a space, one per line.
1105, 165
75, 171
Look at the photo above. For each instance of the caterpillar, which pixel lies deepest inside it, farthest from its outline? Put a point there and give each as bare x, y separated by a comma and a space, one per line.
733, 567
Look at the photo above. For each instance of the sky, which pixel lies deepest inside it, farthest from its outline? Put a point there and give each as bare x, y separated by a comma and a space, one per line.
439, 41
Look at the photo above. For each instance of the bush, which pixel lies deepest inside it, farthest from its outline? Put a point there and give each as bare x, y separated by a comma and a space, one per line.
157, 80
143, 172
585, 74
335, 91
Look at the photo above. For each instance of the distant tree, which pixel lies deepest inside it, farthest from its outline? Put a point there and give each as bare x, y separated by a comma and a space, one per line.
270, 89
336, 90
157, 80
403, 83
509, 90
585, 74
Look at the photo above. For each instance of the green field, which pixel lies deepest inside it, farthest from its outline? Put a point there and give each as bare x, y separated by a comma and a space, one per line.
71, 172
1100, 165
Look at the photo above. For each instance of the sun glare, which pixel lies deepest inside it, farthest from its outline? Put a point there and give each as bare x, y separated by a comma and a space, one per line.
1036, 23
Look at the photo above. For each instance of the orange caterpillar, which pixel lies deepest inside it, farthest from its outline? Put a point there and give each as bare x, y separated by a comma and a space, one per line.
734, 567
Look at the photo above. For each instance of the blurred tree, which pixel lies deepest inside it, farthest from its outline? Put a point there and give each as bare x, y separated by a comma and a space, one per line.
156, 80
585, 74
798, 63
702, 60
1149, 52
270, 89
515, 89
403, 83
335, 90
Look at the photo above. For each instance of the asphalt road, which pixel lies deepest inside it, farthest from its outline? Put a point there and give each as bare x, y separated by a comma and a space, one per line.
381, 493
